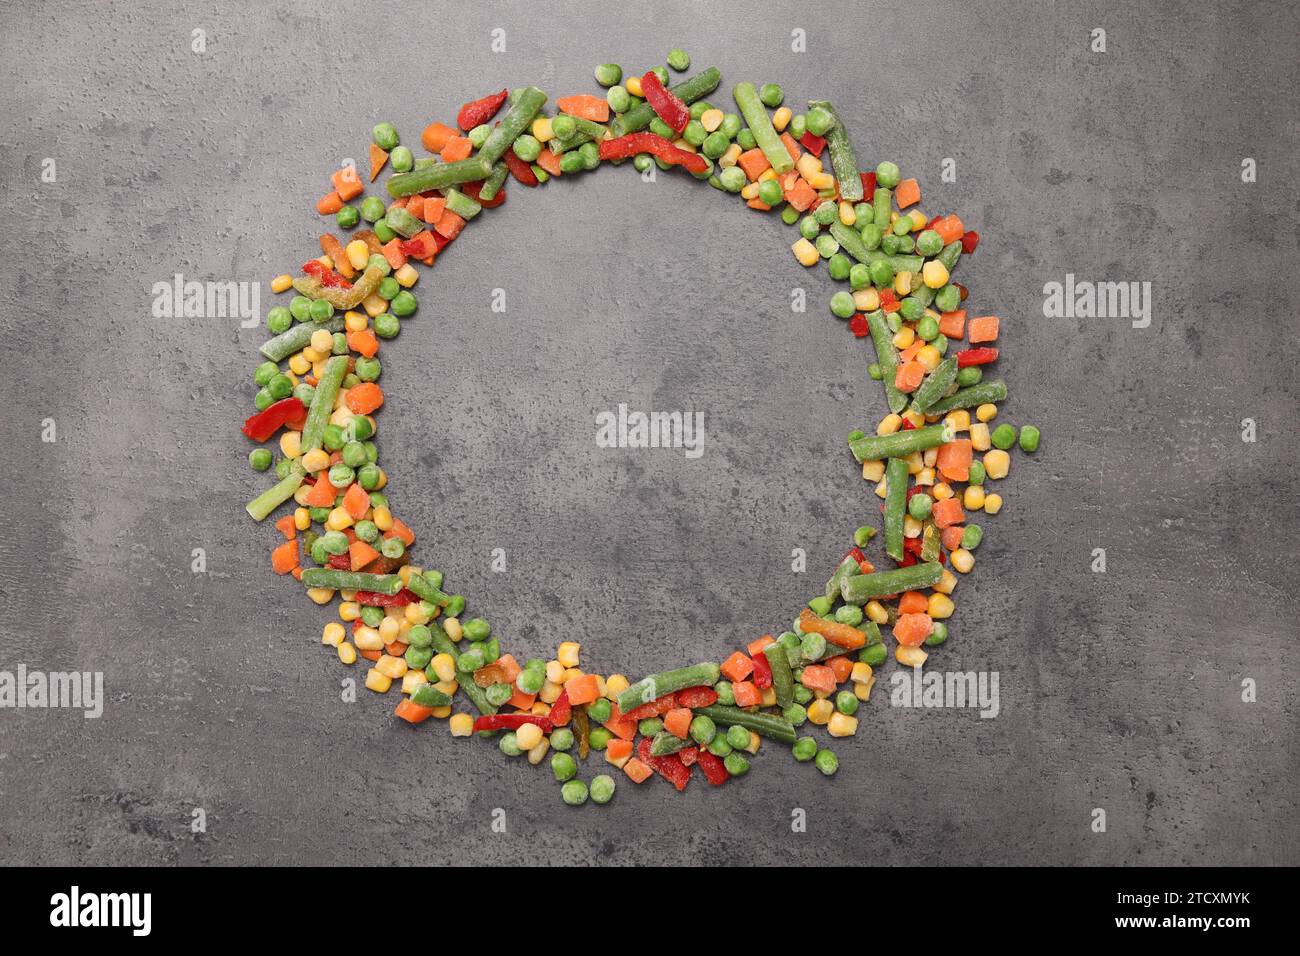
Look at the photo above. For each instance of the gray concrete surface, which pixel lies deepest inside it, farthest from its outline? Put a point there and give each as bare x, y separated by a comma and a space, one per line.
1119, 691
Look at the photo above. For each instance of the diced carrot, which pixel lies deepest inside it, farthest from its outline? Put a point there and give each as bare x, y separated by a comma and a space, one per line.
378, 157
907, 193
364, 398
755, 646
949, 228
364, 342
322, 493
624, 728
449, 225
433, 209
394, 254
399, 203
395, 648
347, 183
638, 771
286, 527
953, 324
983, 328
842, 668
754, 163
841, 634
909, 376
584, 106
400, 530
415, 206
758, 204
330, 245
618, 748
954, 459
678, 720
411, 712
947, 512
746, 693
791, 147
356, 501
952, 536
800, 196
297, 573
360, 554
582, 690
549, 162
737, 667
371, 655
912, 602
285, 558
818, 677
456, 149
911, 630
436, 136
521, 700
910, 352
509, 667
329, 204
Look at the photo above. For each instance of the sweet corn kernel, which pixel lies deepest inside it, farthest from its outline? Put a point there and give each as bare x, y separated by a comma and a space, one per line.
929, 357
444, 666
866, 300
600, 686
862, 689
537, 754
322, 341
873, 470
821, 181
301, 494
819, 712
767, 697
911, 527
412, 680
567, 653
962, 561
942, 491
390, 666
338, 520
750, 191
915, 462
917, 420
633, 84
903, 282
941, 606
973, 498
378, 681
528, 736
957, 421
550, 692
881, 490
374, 305
730, 157
925, 476
876, 612
979, 437
299, 364
712, 119
301, 518
349, 611
910, 656
442, 713
347, 653
282, 283
947, 582
321, 595
554, 671
318, 369
842, 725
571, 673
765, 175
997, 463
332, 634
318, 459
755, 741
388, 628
383, 519
904, 337
808, 165
461, 725
393, 612
806, 253
291, 444
542, 130
889, 424
934, 274
404, 573
781, 118
326, 261
861, 672
848, 215
355, 321
367, 639
358, 253
992, 504
986, 412
453, 628
448, 687
407, 276
615, 684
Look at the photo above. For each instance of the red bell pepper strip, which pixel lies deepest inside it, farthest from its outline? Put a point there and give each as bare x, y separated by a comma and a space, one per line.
714, 770
655, 708
762, 671
978, 356
267, 422
478, 112
512, 722
519, 169
325, 275
907, 425
670, 768
472, 190
814, 144
339, 562
693, 697
856, 554
664, 102
375, 599
969, 240
889, 301
655, 145
688, 756
561, 710
912, 547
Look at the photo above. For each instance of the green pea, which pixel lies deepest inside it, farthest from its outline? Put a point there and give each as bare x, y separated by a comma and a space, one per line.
804, 749
812, 647
846, 702
477, 629
469, 661
738, 737
849, 614
403, 304
574, 793
386, 325
1004, 436
260, 459
660, 128
820, 121
600, 710
383, 231
401, 160
564, 126
842, 306
607, 74
527, 147
334, 542
873, 654
871, 236
928, 243
859, 276
564, 767
882, 273
561, 738
971, 375
736, 765
695, 133
660, 72
371, 616
376, 261
887, 174
679, 59
590, 154
359, 429
300, 308
350, 381
745, 139
827, 245
278, 319
304, 392
267, 370
599, 737
619, 99
420, 635
368, 369
889, 243
732, 179
641, 162
388, 288
771, 95
731, 125
703, 729
719, 747
479, 135
902, 225
947, 299
319, 515
509, 744
650, 726
368, 478
797, 714
281, 386
971, 537
798, 125
321, 311
715, 144
372, 208
839, 265
875, 371
938, 634
726, 695
919, 506
827, 762
385, 136
769, 191
602, 788
1029, 436
826, 213
809, 227
417, 658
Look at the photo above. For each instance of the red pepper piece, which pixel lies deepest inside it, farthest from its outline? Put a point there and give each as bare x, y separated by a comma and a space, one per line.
868, 183
472, 190
979, 356
858, 325
693, 697
969, 240
888, 301
909, 559
441, 241
670, 768
688, 756
665, 102
907, 425
375, 599
762, 671
856, 554
933, 220
339, 562
914, 490
656, 707
267, 422
512, 722
326, 276
714, 770
519, 169
561, 710
478, 112
420, 247
655, 145
815, 144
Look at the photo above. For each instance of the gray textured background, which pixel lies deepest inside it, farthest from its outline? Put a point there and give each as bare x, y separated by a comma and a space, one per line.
1119, 691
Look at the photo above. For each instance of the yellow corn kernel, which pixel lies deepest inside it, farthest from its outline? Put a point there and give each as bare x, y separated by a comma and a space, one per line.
992, 504
355, 321
941, 606
962, 561
541, 129
712, 119
934, 274
358, 253
395, 612
925, 476
750, 191
861, 672
986, 412
367, 639
767, 697
929, 357
567, 653
339, 520
570, 673
848, 215
876, 612
453, 628
958, 420
332, 634
808, 165
819, 712
881, 490
390, 627
822, 181
916, 419
412, 680
997, 463
911, 527
461, 725
301, 518
931, 455
374, 305
889, 424
442, 713
755, 741
538, 753
620, 761
347, 653
390, 666
806, 253
862, 689
322, 341
528, 736
910, 656
554, 672
731, 156
979, 437
299, 363
301, 494
781, 118
842, 725
404, 574
866, 299
904, 337
947, 582
550, 692
873, 470
318, 459
915, 462
291, 444
903, 282
615, 684
448, 687
326, 261
318, 369
321, 595
941, 491
282, 283
349, 611
383, 519
633, 84
407, 276
973, 498
378, 681
444, 666
765, 175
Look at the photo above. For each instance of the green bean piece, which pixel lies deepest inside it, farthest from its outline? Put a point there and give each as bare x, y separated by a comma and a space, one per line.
688, 91
322, 405
861, 588
296, 339
477, 695
526, 106
883, 339
900, 443
935, 384
844, 569
426, 695
765, 725
442, 175
782, 676
930, 543
667, 682
461, 204
760, 124
492, 185
388, 584
843, 160
664, 743
277, 494
882, 204
950, 254
981, 394
895, 506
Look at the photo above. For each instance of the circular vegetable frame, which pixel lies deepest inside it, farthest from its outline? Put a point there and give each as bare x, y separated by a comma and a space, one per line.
319, 391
